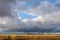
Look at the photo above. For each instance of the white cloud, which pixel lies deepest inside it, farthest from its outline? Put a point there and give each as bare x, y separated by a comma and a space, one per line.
55, 16
44, 8
39, 18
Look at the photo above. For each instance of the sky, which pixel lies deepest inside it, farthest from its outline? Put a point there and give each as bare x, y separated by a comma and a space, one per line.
30, 16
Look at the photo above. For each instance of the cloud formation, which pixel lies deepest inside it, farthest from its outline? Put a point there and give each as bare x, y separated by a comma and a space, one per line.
46, 11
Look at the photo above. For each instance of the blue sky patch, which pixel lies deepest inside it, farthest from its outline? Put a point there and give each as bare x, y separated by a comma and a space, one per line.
25, 15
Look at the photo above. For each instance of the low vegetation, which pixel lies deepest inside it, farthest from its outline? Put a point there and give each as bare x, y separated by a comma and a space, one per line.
29, 37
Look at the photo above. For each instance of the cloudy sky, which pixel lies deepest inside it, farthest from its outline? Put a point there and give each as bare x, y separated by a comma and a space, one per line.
30, 15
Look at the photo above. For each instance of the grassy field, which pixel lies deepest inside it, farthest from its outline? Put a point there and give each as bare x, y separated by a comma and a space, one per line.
29, 37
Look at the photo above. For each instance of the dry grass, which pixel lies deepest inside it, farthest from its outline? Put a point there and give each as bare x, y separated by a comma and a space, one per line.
29, 37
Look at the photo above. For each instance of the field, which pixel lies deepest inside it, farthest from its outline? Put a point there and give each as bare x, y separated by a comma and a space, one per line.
29, 37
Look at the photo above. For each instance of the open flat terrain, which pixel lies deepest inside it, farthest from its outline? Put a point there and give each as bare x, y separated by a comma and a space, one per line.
29, 37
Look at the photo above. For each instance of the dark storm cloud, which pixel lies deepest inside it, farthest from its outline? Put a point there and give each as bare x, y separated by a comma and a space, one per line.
5, 7
36, 29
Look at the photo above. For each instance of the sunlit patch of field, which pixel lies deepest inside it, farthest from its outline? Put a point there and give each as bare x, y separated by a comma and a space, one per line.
29, 37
